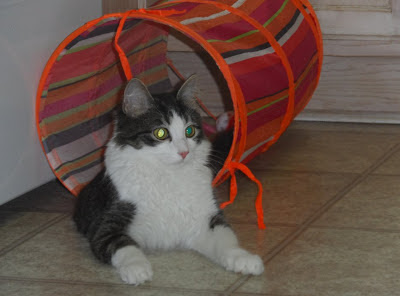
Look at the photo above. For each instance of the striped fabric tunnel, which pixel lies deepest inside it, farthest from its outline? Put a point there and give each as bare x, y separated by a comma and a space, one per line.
269, 52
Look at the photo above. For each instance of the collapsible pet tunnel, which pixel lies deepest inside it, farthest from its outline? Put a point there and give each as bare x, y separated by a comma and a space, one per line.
269, 52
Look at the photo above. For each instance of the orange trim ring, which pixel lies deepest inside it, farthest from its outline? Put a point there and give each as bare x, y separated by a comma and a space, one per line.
316, 29
124, 60
318, 35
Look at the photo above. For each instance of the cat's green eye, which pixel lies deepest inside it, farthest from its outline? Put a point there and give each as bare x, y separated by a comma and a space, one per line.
190, 131
160, 133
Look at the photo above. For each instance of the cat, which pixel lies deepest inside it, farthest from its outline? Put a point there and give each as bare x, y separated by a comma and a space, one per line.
155, 192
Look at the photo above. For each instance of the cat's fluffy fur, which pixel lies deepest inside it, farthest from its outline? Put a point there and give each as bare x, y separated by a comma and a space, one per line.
151, 196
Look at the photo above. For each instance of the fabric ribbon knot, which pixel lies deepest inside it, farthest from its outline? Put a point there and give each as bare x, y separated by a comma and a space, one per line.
232, 166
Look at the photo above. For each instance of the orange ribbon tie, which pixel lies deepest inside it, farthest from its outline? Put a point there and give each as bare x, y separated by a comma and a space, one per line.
232, 166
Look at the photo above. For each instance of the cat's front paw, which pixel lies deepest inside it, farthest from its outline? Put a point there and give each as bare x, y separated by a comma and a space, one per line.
132, 265
136, 273
239, 260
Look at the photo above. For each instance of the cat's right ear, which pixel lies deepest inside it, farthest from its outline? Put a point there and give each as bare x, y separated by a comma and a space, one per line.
188, 91
137, 98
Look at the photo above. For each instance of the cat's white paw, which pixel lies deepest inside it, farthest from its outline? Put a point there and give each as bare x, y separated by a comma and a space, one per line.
239, 260
136, 272
132, 265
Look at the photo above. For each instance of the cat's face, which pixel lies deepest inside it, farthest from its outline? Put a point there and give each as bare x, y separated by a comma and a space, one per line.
166, 127
175, 140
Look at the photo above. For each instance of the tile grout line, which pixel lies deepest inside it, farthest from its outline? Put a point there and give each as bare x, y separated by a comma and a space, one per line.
310, 171
103, 284
306, 224
386, 175
272, 224
236, 285
344, 132
264, 294
377, 230
31, 234
21, 210
316, 172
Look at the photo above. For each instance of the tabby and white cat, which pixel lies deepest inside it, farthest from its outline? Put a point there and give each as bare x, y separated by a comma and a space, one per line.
155, 192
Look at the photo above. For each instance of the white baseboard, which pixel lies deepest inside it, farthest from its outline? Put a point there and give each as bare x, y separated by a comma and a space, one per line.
350, 116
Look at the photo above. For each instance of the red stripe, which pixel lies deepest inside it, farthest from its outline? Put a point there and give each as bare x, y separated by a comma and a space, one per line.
97, 57
279, 109
264, 82
303, 52
80, 98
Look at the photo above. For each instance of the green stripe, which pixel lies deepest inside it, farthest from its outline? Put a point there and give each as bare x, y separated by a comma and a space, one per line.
82, 107
71, 80
71, 126
83, 47
93, 73
298, 83
70, 163
266, 106
151, 71
253, 31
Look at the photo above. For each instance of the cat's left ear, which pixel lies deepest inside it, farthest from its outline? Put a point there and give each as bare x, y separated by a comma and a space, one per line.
137, 98
188, 92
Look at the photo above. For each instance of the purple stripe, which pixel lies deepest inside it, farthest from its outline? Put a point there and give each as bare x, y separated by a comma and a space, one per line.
264, 82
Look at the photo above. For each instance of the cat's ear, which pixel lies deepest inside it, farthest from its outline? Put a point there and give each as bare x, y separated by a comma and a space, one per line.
188, 92
137, 98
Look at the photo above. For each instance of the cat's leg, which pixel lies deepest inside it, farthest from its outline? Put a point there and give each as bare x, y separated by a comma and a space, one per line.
111, 244
219, 243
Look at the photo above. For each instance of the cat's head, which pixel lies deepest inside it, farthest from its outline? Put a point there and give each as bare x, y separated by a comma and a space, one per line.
166, 127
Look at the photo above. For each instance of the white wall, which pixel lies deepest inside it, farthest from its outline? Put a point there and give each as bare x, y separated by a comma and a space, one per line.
30, 30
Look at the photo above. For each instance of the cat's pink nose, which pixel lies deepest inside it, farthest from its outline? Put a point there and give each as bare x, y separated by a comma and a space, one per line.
184, 154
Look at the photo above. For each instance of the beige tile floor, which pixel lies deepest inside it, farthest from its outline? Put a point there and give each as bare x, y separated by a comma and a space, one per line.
332, 209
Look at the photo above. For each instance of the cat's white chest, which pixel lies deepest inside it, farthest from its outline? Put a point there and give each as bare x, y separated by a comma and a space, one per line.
176, 207
173, 204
